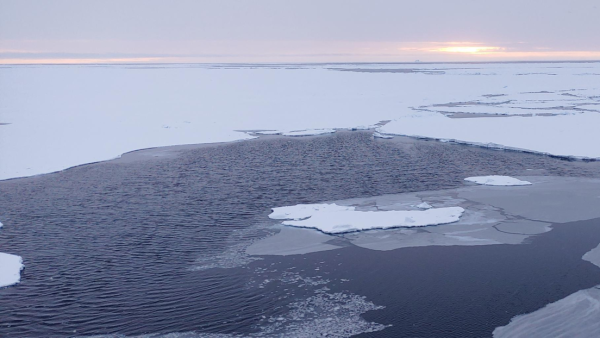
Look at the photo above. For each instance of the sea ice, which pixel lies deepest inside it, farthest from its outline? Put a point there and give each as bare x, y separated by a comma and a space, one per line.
292, 241
491, 216
573, 136
496, 180
309, 132
300, 211
574, 316
10, 269
268, 132
593, 256
74, 108
548, 199
379, 135
332, 218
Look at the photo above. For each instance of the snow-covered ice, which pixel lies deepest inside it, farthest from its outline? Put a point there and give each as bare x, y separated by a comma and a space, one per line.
301, 211
55, 117
424, 205
497, 180
10, 269
332, 218
561, 135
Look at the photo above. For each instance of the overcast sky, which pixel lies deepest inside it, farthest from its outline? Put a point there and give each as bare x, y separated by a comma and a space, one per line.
298, 31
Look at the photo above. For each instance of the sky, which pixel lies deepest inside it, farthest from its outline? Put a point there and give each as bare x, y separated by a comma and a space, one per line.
292, 31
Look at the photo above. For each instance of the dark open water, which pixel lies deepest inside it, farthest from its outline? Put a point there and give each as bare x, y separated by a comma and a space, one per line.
115, 247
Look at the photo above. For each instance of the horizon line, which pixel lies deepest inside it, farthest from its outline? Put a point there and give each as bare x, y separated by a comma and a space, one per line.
292, 63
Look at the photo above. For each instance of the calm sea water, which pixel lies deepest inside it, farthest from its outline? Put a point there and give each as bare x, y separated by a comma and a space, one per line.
140, 247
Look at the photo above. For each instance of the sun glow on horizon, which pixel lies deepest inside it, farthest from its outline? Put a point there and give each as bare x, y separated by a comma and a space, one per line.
296, 52
469, 49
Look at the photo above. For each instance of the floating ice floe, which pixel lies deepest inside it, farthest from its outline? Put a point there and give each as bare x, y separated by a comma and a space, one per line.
332, 218
10, 269
496, 180
574, 316
593, 256
496, 216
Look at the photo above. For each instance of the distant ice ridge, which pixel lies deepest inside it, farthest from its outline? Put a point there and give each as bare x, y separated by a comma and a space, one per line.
496, 180
10, 269
332, 218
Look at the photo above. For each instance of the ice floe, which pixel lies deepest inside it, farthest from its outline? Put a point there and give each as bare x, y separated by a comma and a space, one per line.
491, 216
292, 241
548, 199
332, 218
574, 316
496, 180
593, 256
10, 269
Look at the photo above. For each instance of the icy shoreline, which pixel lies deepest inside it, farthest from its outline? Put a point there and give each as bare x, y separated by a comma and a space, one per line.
121, 109
565, 136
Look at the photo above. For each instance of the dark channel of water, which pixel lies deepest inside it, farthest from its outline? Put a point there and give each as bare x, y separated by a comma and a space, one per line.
108, 247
